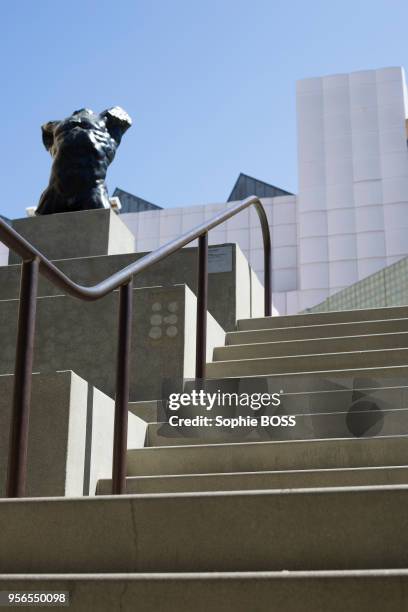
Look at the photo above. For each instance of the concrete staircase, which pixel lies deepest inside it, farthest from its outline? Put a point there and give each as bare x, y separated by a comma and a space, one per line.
302, 524
349, 340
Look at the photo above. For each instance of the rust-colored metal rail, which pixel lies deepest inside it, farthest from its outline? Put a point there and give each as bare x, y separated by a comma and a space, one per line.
35, 263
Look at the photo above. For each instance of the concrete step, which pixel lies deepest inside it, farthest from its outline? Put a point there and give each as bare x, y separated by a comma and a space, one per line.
357, 423
329, 330
320, 391
240, 481
311, 347
293, 529
315, 591
326, 380
269, 456
321, 318
359, 399
352, 360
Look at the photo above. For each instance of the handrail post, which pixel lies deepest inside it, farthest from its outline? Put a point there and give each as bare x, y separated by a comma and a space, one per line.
202, 297
18, 449
267, 279
122, 390
267, 252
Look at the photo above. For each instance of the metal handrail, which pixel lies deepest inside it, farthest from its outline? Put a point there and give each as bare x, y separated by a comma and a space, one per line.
35, 263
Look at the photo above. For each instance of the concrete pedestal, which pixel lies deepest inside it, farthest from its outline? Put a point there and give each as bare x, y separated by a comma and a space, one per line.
70, 435
77, 234
234, 290
82, 336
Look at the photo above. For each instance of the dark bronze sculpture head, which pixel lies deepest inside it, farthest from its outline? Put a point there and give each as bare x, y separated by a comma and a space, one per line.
83, 146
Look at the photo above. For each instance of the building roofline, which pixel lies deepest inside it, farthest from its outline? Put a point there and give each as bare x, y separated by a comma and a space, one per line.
258, 181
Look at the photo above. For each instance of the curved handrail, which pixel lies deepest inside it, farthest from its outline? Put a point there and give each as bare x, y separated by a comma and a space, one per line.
35, 263
23, 248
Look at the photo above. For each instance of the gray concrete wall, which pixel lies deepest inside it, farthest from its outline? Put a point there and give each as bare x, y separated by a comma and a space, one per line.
70, 435
100, 428
76, 234
82, 336
247, 285
215, 334
234, 291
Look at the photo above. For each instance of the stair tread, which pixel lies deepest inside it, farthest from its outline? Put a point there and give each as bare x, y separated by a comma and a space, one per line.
262, 479
120, 499
78, 524
265, 472
363, 314
378, 369
254, 530
270, 442
380, 350
357, 590
268, 455
284, 574
334, 338
317, 325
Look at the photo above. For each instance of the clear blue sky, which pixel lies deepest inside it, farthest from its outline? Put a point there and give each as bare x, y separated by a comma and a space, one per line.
210, 84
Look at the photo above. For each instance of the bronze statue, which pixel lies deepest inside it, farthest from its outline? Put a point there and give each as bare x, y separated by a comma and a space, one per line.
82, 146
